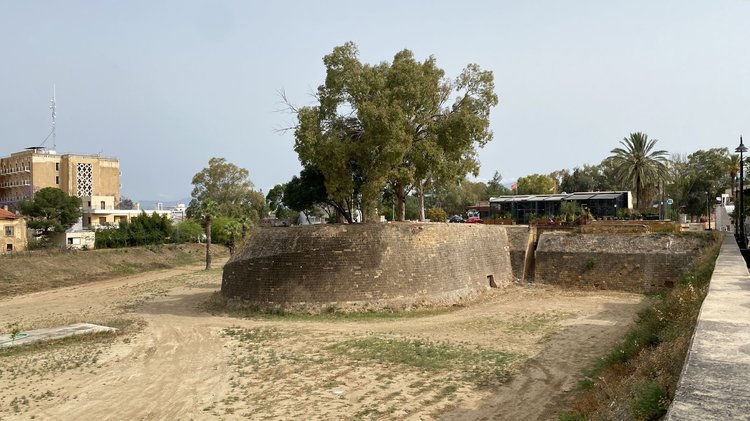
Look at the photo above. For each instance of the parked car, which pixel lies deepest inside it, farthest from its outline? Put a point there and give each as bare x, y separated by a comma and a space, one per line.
456, 219
474, 220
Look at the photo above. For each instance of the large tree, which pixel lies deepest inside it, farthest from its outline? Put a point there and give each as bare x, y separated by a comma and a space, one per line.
495, 187
51, 210
229, 187
392, 124
701, 177
308, 191
639, 165
587, 178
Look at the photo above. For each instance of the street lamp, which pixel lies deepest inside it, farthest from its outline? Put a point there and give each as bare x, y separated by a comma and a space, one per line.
708, 209
742, 240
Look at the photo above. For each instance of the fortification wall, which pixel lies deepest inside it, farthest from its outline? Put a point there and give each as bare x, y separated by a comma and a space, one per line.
624, 262
408, 263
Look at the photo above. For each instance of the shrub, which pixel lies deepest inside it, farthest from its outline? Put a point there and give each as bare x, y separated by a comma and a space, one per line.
187, 231
436, 215
650, 401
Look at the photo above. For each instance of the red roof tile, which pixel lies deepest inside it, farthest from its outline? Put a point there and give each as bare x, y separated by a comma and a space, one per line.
4, 214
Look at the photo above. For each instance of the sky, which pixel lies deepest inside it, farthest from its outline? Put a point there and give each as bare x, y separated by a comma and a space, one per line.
166, 85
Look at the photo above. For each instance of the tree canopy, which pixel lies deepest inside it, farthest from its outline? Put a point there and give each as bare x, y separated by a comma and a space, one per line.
638, 165
51, 210
536, 184
400, 125
229, 187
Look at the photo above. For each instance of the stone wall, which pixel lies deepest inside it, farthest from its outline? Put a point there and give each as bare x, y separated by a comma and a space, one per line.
624, 262
408, 263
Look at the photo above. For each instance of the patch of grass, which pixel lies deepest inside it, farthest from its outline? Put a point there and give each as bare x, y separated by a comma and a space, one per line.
255, 335
125, 268
481, 366
650, 401
535, 322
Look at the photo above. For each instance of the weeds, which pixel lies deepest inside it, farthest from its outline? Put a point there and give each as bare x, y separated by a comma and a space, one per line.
482, 366
639, 376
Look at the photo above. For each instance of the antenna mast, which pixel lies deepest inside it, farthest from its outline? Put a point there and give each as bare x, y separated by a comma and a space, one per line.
53, 107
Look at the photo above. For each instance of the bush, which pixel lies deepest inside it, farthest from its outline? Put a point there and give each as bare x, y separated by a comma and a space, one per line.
436, 215
141, 230
41, 243
187, 231
650, 401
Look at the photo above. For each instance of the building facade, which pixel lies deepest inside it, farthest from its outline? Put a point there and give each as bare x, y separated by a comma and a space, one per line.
24, 173
100, 212
522, 207
12, 232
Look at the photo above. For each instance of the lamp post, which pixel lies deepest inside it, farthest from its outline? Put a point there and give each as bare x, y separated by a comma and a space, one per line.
708, 209
742, 240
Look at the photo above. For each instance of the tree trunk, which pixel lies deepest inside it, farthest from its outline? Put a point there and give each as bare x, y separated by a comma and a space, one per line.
400, 202
208, 244
420, 194
231, 244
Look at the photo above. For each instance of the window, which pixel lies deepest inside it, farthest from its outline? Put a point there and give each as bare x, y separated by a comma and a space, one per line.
89, 218
57, 166
9, 247
8, 231
57, 179
103, 205
89, 203
102, 220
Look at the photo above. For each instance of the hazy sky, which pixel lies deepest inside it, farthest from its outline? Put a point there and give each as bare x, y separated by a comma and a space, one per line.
165, 85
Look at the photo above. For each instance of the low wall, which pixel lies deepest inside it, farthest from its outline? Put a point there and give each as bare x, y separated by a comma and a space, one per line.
410, 263
624, 262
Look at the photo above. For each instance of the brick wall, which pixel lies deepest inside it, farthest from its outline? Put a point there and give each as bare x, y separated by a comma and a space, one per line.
409, 262
625, 262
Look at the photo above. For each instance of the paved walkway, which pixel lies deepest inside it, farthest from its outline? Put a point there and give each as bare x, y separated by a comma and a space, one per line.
715, 381
49, 334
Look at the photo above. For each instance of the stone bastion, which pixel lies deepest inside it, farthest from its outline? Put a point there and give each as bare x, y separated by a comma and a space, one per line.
368, 265
624, 262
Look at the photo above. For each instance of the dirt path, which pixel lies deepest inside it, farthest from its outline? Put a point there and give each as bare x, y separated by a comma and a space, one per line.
187, 364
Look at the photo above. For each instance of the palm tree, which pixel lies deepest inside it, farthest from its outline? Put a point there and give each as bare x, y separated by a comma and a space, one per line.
637, 164
206, 213
233, 229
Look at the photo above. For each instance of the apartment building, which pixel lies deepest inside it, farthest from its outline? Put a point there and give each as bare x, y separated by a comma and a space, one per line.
99, 212
24, 173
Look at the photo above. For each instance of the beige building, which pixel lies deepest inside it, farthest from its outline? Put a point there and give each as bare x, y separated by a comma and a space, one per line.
24, 173
99, 212
75, 240
12, 232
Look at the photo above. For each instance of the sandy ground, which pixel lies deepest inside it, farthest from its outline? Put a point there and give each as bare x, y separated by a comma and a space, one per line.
516, 354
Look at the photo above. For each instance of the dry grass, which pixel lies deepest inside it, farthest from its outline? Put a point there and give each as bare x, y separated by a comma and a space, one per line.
637, 380
41, 270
